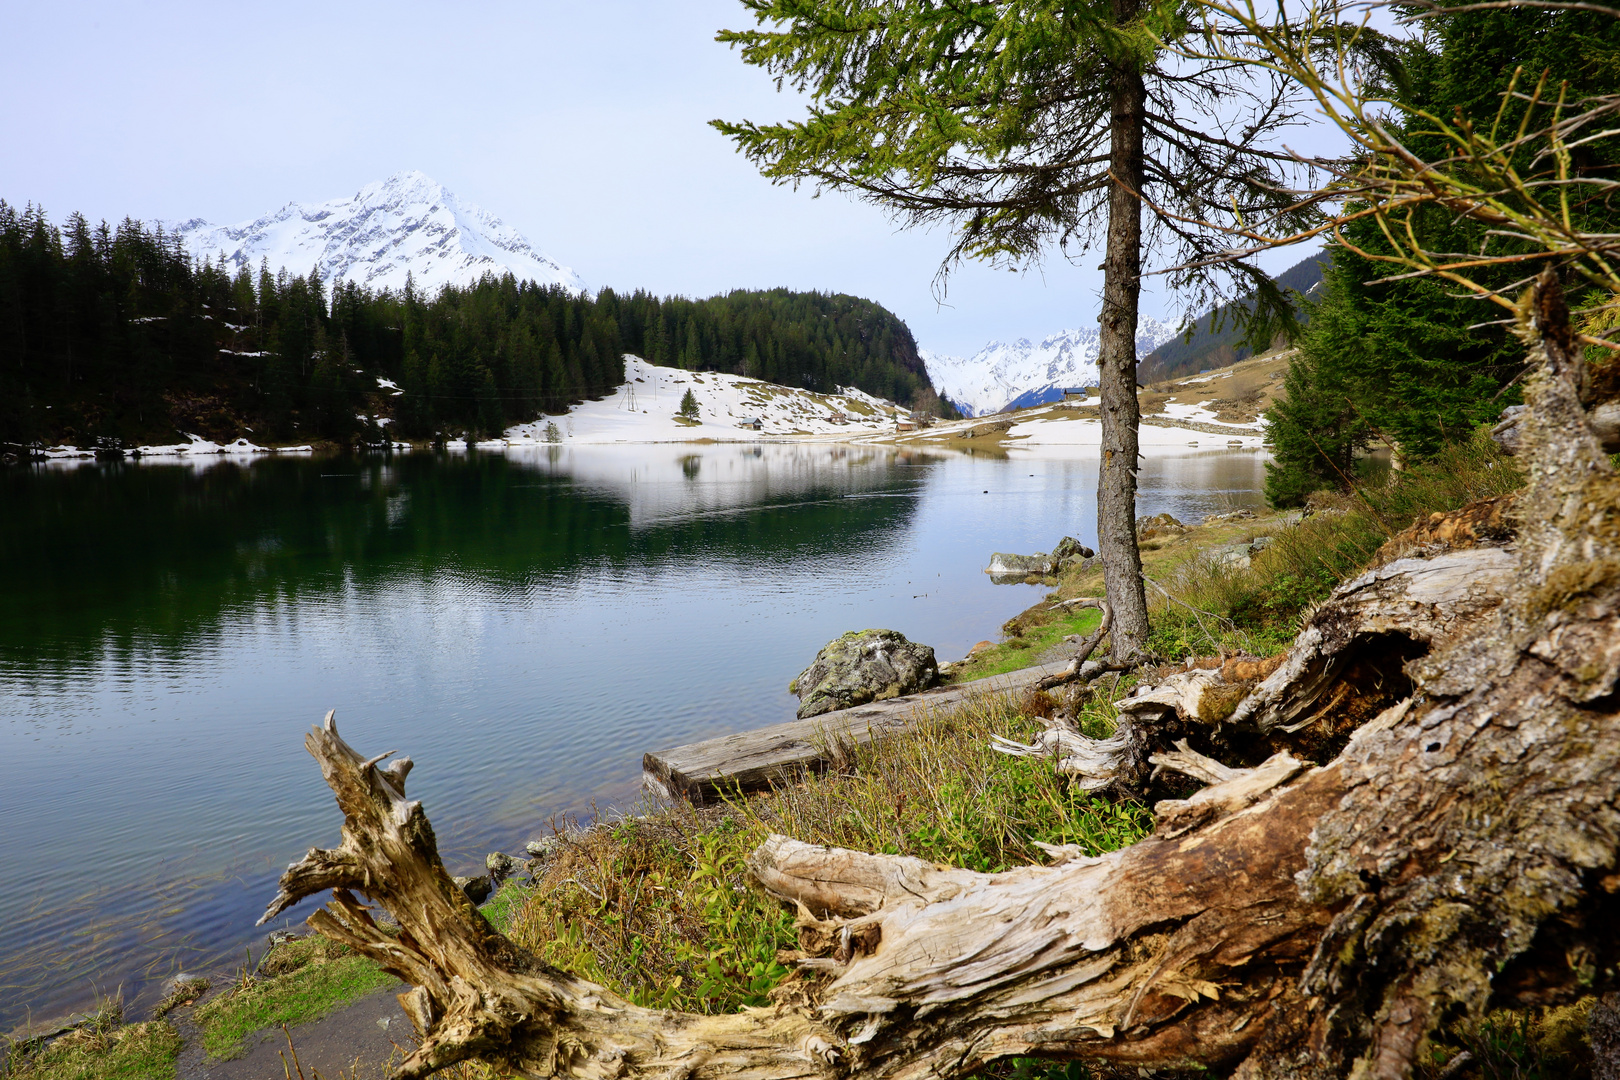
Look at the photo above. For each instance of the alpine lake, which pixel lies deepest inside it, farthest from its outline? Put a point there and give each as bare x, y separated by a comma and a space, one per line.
524, 625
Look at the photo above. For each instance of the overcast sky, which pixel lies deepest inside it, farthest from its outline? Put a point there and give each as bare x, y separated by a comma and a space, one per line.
584, 125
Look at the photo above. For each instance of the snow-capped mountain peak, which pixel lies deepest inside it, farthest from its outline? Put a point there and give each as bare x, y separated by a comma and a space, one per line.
1005, 375
408, 223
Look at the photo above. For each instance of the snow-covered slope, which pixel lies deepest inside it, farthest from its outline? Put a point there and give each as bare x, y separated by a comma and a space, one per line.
406, 223
644, 408
1022, 373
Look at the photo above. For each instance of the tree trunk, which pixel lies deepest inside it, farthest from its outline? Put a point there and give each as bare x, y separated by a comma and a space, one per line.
1116, 360
1461, 853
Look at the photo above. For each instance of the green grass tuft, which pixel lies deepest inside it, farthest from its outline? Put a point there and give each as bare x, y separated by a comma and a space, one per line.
300, 980
662, 910
100, 1050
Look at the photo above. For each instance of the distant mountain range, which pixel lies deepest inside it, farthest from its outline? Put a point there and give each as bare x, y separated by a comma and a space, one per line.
1015, 375
408, 223
1212, 348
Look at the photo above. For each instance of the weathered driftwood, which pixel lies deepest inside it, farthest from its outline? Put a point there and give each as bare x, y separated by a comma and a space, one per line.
1346, 666
783, 753
1460, 852
1377, 621
1095, 763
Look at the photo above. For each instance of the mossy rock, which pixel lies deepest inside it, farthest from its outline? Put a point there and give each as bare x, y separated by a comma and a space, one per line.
863, 666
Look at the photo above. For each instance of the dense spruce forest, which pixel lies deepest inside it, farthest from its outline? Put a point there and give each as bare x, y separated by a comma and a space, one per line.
114, 337
1414, 362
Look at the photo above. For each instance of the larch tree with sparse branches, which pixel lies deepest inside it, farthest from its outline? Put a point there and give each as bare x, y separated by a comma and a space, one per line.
1035, 125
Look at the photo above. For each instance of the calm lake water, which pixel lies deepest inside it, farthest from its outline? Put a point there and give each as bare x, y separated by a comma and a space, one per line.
524, 627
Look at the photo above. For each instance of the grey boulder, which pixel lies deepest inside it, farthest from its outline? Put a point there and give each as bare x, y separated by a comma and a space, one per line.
500, 866
1159, 526
1069, 552
863, 666
1004, 564
477, 888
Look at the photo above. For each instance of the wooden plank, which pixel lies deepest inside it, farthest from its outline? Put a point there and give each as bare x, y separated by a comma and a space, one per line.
753, 760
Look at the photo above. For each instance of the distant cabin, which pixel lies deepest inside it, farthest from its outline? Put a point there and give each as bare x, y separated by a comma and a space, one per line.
837, 418
751, 422
905, 425
1076, 393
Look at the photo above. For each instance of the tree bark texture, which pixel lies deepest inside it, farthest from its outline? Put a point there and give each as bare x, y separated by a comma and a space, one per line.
1116, 359
1287, 921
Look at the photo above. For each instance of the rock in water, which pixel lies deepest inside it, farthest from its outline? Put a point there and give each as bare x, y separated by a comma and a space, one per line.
1003, 564
1070, 552
863, 666
1069, 548
1007, 567
500, 866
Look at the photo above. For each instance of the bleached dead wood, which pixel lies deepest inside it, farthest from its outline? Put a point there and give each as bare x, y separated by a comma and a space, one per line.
1095, 763
1461, 852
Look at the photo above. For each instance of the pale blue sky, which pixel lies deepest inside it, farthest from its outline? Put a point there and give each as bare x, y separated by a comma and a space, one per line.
582, 124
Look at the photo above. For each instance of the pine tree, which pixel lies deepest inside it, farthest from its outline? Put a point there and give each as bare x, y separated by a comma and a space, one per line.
1404, 360
1025, 124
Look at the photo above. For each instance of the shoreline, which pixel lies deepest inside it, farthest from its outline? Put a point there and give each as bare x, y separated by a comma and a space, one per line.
1029, 639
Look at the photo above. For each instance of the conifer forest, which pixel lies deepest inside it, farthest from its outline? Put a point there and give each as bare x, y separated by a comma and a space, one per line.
115, 336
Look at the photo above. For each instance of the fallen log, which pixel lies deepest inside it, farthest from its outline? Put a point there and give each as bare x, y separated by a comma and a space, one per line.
754, 760
1460, 853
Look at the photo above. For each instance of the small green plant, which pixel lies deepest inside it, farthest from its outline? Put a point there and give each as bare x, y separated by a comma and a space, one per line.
689, 406
1533, 1044
738, 965
552, 434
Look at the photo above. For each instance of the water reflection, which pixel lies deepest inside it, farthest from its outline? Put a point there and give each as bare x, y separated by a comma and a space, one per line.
525, 626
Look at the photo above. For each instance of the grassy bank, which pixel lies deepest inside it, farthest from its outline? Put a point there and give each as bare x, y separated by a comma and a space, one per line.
661, 908
1206, 595
102, 1048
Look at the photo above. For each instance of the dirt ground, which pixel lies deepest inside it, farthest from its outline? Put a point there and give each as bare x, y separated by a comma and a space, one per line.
1236, 394
358, 1042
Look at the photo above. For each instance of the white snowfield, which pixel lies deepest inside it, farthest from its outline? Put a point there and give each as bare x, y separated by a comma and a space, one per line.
1050, 430
1055, 431
1000, 373
406, 223
643, 410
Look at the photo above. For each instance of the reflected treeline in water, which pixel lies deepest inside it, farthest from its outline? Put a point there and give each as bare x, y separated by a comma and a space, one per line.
524, 625
114, 557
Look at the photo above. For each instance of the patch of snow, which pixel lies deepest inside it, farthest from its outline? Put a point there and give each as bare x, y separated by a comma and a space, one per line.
197, 448
643, 410
1203, 415
1046, 429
